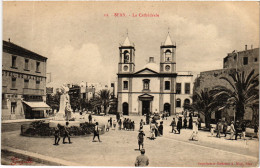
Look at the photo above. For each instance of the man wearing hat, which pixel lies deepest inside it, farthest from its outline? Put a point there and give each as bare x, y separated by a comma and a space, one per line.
141, 138
142, 160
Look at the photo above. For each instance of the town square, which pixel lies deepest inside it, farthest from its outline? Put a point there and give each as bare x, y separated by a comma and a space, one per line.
158, 84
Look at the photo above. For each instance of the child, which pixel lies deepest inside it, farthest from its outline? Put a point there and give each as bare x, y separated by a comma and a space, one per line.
108, 125
114, 124
211, 130
141, 139
57, 135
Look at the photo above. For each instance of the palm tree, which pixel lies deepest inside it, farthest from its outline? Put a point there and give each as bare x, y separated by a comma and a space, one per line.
243, 94
205, 103
104, 96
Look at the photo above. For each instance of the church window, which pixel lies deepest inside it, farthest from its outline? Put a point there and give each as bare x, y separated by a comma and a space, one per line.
125, 85
167, 85
168, 55
146, 83
126, 57
178, 88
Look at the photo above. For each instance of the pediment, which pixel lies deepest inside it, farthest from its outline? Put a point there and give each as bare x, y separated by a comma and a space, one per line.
146, 71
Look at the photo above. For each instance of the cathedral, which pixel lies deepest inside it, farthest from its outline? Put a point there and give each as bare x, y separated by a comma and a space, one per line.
155, 88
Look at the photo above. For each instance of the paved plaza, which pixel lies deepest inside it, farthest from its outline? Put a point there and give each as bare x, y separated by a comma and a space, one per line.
119, 148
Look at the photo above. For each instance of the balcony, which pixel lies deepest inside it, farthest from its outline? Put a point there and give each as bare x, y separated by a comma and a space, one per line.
29, 91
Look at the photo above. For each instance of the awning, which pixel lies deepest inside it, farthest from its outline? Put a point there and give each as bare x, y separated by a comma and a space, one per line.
36, 106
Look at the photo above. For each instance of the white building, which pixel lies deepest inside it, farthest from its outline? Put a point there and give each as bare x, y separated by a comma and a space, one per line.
153, 88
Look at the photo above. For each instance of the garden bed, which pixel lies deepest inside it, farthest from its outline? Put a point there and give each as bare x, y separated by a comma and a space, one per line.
42, 129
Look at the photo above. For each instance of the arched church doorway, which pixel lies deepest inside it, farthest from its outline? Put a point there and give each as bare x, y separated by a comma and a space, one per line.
167, 108
125, 108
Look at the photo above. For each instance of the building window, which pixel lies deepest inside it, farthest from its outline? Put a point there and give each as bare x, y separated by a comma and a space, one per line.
245, 60
37, 66
178, 103
167, 85
26, 64
13, 61
13, 82
13, 107
37, 84
178, 88
125, 85
186, 101
146, 83
187, 88
26, 83
255, 59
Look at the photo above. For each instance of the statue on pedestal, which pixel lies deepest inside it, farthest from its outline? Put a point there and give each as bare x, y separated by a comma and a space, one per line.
65, 112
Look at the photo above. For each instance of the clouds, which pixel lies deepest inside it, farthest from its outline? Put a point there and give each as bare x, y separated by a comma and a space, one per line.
69, 64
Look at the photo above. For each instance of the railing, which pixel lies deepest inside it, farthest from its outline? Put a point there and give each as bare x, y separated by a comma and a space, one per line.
29, 91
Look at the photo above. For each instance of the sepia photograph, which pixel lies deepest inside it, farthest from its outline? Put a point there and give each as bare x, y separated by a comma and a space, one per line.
130, 83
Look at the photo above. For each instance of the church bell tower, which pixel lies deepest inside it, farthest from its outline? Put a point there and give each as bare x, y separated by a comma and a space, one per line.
126, 57
168, 56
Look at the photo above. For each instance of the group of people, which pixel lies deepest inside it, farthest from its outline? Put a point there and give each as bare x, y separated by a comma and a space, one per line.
236, 129
57, 134
126, 124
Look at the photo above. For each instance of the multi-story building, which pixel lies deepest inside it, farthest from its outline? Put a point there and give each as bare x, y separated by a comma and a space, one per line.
23, 83
246, 61
155, 88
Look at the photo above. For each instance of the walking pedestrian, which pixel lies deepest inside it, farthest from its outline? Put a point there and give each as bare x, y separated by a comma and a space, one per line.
142, 160
140, 138
96, 133
66, 133
179, 125
57, 135
173, 124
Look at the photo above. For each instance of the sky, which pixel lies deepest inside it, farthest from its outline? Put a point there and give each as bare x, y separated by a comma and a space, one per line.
81, 43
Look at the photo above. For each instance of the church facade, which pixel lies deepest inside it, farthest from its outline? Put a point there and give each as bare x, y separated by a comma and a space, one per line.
155, 88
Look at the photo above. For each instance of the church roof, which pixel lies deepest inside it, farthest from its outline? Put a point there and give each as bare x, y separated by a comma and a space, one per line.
153, 66
168, 40
127, 42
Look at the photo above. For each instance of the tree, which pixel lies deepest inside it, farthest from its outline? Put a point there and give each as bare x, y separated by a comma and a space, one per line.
205, 103
104, 97
243, 93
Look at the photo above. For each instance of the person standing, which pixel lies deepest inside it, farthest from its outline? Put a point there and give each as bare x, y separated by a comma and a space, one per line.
110, 122
179, 125
66, 133
190, 121
232, 130
108, 125
255, 131
194, 135
124, 124
173, 124
114, 124
90, 118
243, 127
218, 128
211, 130
117, 116
185, 123
236, 129
57, 135
96, 132
141, 139
119, 124
161, 128
141, 124
142, 160
147, 118
225, 125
